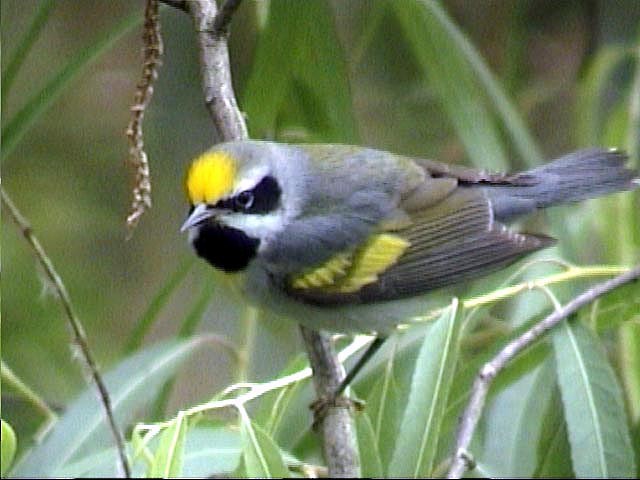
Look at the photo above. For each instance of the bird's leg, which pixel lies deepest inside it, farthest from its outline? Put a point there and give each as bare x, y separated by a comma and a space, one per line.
321, 405
369, 352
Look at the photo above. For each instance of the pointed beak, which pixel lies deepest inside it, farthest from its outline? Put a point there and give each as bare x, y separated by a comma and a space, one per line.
200, 214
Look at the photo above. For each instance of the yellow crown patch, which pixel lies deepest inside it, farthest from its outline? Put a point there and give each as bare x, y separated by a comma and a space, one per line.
210, 177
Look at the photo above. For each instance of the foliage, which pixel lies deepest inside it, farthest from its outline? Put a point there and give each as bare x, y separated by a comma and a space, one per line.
329, 72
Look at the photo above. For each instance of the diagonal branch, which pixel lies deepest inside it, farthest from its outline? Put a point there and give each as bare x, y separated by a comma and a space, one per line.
214, 66
76, 326
462, 460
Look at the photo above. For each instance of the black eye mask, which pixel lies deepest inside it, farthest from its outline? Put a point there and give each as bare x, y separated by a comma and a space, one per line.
261, 199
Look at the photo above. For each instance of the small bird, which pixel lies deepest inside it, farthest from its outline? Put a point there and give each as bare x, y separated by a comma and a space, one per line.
349, 239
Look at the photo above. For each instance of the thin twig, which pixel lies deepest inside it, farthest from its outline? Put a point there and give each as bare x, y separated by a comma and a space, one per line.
462, 459
16, 384
79, 335
144, 91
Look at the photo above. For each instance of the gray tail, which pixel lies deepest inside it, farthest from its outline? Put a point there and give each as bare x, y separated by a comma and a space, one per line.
577, 176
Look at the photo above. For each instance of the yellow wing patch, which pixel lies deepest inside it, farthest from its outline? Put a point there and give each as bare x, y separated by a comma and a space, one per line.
325, 275
210, 177
349, 272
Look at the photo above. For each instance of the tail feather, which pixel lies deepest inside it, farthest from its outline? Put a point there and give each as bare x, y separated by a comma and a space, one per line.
577, 176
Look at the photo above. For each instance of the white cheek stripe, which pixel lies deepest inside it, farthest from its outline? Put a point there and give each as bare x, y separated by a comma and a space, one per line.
261, 226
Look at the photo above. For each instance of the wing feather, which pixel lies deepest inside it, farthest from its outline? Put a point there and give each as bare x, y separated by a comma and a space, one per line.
450, 242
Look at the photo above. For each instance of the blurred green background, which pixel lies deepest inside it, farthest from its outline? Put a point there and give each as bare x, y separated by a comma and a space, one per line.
70, 178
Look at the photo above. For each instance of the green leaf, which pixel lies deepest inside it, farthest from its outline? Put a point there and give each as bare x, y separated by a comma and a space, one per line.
13, 132
593, 407
83, 429
370, 460
511, 119
453, 80
159, 300
299, 76
553, 444
620, 306
208, 451
416, 445
591, 92
169, 457
385, 411
262, 457
275, 406
8, 446
24, 47
513, 423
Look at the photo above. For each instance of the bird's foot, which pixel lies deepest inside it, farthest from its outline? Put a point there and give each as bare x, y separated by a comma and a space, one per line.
323, 404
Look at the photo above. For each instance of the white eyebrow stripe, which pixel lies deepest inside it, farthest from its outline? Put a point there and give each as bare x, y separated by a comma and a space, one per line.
250, 179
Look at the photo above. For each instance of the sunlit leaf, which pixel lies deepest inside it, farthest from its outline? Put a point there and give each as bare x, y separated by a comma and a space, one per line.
8, 445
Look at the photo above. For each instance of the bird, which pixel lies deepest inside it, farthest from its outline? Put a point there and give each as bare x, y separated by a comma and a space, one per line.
352, 239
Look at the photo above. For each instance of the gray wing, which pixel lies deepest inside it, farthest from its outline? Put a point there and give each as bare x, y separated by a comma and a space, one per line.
453, 241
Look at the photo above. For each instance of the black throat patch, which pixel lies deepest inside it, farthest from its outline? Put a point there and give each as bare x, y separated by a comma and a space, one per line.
225, 248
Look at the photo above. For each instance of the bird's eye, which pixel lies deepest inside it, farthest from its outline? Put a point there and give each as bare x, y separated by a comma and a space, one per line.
244, 200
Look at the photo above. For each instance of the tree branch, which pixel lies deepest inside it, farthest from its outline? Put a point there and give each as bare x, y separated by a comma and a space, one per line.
79, 335
212, 26
214, 66
462, 460
338, 434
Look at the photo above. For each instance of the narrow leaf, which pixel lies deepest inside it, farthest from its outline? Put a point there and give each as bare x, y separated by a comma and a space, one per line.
82, 429
299, 76
262, 457
452, 79
208, 452
169, 457
510, 118
385, 411
370, 460
591, 92
38, 104
593, 407
159, 300
416, 446
24, 47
